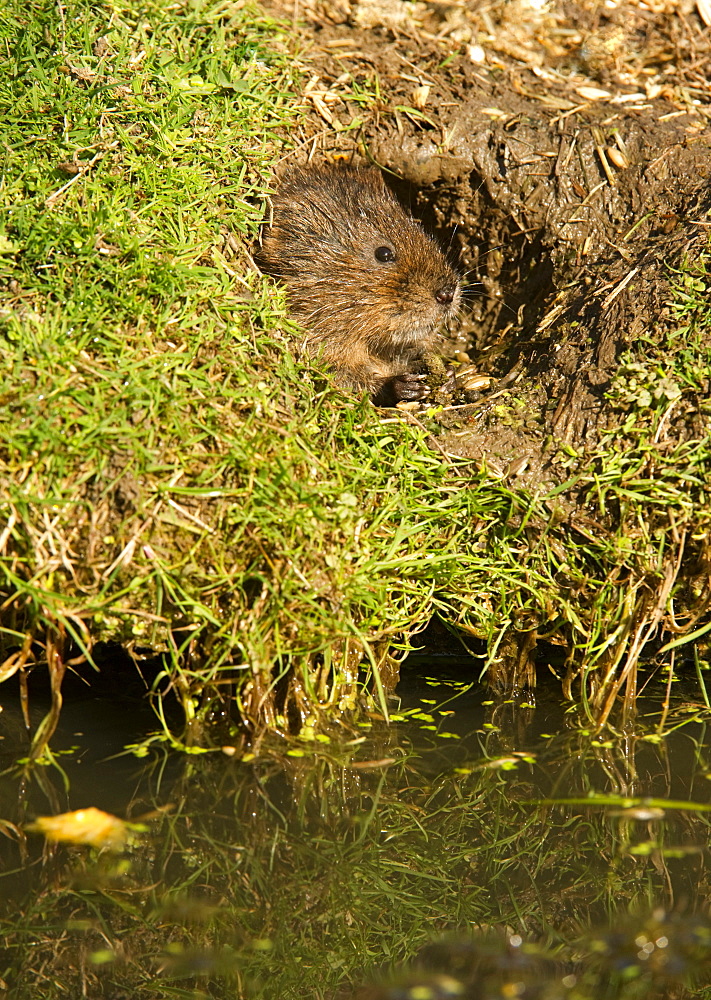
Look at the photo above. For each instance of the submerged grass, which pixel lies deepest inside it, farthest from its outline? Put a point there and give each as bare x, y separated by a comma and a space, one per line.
297, 877
173, 477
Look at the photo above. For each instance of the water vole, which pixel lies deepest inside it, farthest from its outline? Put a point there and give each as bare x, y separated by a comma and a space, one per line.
362, 276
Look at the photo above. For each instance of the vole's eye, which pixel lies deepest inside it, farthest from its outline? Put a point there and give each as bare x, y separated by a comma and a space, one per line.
386, 255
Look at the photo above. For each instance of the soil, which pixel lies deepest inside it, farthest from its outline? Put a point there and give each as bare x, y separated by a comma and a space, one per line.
563, 150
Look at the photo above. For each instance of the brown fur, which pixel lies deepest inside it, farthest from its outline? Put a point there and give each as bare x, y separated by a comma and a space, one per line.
369, 318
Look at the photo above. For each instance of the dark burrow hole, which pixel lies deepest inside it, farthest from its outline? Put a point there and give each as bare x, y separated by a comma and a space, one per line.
443, 647
508, 275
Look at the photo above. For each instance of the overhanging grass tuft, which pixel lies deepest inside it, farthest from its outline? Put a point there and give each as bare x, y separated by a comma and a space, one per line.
173, 477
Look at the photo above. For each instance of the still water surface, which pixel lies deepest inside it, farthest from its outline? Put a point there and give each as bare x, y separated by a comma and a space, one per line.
526, 856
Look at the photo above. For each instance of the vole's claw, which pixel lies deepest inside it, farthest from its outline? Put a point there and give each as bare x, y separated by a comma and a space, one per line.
405, 388
409, 388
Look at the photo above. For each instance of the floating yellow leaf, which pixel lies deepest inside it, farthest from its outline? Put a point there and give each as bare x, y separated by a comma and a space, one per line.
85, 826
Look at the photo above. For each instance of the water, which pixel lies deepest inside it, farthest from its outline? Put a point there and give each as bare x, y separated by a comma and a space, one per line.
497, 836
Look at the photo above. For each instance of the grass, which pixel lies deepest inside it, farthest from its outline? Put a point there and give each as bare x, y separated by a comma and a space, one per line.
174, 477
648, 479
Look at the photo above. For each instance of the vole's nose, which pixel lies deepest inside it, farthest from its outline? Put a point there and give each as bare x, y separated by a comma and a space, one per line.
445, 295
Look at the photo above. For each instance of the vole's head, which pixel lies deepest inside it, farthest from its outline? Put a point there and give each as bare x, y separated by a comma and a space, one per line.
356, 264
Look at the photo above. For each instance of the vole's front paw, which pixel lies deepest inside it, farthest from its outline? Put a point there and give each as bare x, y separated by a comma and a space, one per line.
403, 388
408, 388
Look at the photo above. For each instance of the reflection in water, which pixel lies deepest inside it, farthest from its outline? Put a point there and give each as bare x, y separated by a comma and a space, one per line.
308, 872
637, 958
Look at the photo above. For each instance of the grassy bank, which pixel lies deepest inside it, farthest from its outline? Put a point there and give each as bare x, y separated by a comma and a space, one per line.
172, 477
